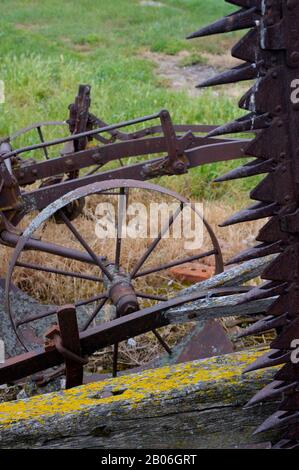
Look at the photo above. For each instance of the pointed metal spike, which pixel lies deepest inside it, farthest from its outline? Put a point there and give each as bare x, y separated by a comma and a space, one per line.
266, 324
246, 49
279, 307
239, 20
264, 191
248, 123
257, 167
258, 251
272, 390
237, 74
271, 232
271, 359
255, 212
266, 291
278, 419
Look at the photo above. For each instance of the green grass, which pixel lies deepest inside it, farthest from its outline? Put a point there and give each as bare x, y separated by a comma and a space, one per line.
48, 48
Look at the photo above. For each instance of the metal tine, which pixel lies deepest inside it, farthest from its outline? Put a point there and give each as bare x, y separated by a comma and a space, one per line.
254, 212
266, 324
238, 74
278, 419
272, 390
267, 290
258, 251
272, 358
250, 122
239, 20
257, 167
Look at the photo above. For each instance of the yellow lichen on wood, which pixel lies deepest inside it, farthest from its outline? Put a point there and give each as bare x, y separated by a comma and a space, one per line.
130, 390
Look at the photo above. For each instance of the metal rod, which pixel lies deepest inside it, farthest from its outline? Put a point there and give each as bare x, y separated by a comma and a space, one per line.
85, 245
156, 241
73, 137
38, 267
54, 311
40, 133
94, 314
175, 263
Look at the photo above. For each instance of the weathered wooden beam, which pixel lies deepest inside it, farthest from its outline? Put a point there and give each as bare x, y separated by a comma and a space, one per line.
192, 405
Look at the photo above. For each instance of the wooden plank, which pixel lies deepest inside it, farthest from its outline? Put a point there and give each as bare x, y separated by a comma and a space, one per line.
193, 405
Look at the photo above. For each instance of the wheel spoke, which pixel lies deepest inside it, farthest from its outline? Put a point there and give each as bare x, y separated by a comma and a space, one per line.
54, 311
38, 267
162, 267
156, 241
85, 245
94, 314
120, 220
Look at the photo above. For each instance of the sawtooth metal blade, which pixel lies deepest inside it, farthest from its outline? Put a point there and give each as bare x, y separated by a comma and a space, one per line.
258, 251
238, 74
260, 98
249, 123
286, 337
239, 20
288, 373
268, 144
264, 191
270, 359
271, 232
246, 49
256, 167
283, 267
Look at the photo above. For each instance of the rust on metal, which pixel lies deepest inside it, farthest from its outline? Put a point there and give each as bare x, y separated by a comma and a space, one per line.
270, 55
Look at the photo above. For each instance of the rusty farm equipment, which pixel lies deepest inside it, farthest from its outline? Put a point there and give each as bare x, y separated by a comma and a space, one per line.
59, 188
270, 51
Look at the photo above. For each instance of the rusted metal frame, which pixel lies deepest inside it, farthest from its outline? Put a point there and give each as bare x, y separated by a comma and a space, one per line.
94, 339
27, 239
40, 198
79, 136
65, 339
101, 155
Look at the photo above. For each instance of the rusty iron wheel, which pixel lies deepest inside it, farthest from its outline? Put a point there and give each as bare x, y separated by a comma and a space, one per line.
101, 288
